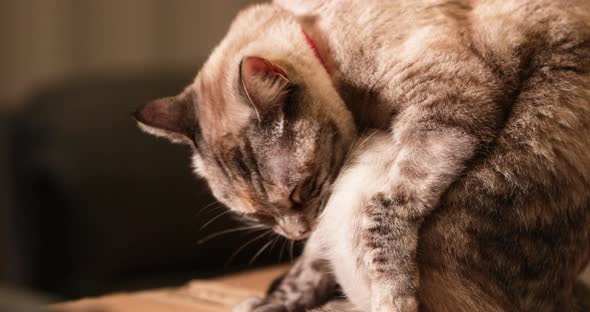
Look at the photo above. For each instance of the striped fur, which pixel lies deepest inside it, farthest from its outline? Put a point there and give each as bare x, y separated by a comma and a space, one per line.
479, 200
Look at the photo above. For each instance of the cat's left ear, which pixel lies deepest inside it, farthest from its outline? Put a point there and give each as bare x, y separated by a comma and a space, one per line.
173, 118
266, 84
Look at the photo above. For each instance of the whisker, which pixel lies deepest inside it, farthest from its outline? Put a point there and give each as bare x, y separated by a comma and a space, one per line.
235, 253
367, 138
282, 249
351, 147
275, 240
202, 209
211, 204
243, 228
259, 252
331, 135
215, 218
291, 242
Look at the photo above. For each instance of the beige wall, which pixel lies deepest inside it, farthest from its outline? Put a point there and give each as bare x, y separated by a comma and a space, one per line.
46, 40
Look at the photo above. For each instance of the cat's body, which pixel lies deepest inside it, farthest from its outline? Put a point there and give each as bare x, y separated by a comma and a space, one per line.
485, 204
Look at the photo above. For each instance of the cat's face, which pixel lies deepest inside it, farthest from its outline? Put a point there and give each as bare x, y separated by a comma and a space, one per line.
268, 128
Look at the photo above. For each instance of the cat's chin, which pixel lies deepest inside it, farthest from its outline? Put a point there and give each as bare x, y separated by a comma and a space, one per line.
294, 237
299, 237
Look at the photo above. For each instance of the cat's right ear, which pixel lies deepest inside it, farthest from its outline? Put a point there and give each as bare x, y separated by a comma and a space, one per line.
173, 118
265, 84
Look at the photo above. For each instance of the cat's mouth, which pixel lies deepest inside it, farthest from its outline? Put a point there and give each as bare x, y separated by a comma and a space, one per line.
300, 227
294, 227
296, 236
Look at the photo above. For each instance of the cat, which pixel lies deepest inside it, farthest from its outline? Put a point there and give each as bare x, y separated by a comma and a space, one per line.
487, 102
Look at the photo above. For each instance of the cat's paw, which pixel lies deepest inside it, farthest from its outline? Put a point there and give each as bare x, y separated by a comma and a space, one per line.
397, 304
257, 304
385, 299
406, 304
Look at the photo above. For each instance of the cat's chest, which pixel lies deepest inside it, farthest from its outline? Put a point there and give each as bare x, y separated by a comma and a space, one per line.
339, 240
341, 224
340, 227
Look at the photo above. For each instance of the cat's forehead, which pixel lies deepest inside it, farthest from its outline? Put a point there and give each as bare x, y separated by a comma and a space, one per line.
222, 113
222, 106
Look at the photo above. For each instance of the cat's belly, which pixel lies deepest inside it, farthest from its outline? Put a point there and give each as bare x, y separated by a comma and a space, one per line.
340, 224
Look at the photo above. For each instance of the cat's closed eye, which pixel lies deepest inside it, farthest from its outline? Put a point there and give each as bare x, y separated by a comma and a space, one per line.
260, 218
301, 193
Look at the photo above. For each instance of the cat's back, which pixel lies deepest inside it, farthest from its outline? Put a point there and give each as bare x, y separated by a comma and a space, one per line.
396, 18
369, 38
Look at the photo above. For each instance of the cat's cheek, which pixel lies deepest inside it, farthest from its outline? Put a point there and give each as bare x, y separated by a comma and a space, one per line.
279, 231
198, 166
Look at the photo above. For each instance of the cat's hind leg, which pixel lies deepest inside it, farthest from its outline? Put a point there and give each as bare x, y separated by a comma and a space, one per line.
308, 284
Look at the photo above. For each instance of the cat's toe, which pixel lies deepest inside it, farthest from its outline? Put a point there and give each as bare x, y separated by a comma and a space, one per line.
397, 304
406, 304
257, 304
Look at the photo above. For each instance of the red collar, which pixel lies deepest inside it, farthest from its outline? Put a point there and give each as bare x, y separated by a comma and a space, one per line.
314, 48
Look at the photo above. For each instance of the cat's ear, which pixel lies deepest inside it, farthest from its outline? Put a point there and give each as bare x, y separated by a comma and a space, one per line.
173, 118
266, 84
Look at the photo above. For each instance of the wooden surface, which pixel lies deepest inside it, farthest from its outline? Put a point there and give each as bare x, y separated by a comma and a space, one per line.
214, 295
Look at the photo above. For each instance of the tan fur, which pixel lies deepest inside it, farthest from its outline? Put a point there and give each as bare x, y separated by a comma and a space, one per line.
482, 204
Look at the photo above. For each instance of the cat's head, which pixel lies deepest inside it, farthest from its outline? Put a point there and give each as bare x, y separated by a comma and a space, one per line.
268, 129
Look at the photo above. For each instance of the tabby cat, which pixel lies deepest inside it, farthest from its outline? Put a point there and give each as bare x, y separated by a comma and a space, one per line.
483, 203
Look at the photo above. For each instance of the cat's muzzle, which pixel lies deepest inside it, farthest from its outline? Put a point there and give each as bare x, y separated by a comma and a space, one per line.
295, 227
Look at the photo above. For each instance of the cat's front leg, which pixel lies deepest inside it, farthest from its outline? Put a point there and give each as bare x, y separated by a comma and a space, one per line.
308, 284
388, 253
453, 108
424, 167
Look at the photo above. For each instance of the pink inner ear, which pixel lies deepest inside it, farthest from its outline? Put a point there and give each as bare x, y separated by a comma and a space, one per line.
257, 65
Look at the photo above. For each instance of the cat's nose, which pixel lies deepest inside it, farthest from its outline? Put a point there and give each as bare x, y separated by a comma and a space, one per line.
303, 228
297, 227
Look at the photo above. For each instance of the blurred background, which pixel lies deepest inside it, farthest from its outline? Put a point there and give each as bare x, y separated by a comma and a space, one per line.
88, 203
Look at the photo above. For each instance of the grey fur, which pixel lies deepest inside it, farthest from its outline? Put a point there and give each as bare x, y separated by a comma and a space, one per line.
476, 200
